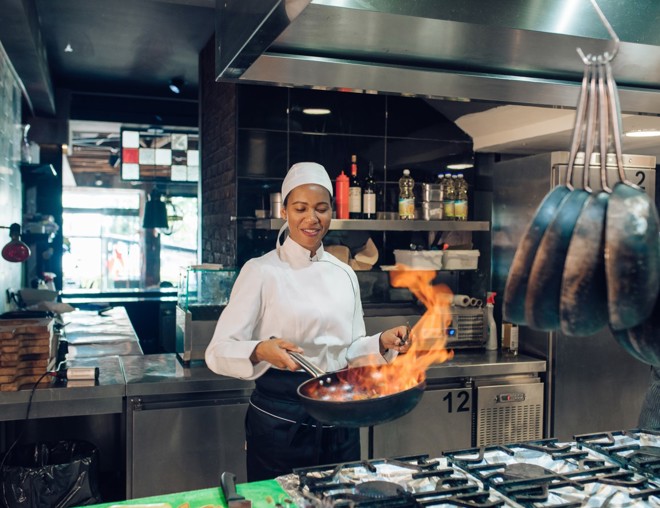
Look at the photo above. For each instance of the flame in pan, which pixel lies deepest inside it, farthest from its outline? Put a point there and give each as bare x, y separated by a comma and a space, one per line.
428, 344
430, 332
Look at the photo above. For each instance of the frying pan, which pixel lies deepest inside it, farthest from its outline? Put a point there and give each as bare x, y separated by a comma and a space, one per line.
542, 302
544, 287
331, 398
643, 340
515, 291
583, 297
632, 256
632, 244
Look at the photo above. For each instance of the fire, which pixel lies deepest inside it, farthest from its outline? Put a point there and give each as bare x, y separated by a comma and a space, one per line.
430, 332
428, 347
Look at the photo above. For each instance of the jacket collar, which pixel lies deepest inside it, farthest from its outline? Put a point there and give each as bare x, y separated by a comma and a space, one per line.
296, 255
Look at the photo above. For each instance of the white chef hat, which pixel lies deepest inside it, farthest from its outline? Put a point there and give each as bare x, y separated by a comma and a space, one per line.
303, 173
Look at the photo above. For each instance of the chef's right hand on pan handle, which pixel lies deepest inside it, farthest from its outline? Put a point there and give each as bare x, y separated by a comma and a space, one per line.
275, 352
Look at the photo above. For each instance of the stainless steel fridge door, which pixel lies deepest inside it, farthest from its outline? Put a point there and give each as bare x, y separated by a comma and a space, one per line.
441, 421
592, 384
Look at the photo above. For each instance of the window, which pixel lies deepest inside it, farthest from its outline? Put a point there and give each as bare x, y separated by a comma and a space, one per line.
105, 241
178, 249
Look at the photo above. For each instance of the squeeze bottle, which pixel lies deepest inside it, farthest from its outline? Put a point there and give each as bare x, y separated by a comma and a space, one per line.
491, 343
341, 196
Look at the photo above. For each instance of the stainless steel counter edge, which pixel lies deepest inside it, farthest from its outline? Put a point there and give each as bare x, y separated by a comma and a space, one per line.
163, 374
485, 363
56, 400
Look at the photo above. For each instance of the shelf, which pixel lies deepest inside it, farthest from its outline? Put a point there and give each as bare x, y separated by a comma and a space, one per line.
376, 225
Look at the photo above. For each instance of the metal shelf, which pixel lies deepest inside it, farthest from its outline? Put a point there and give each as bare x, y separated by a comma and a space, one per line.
376, 225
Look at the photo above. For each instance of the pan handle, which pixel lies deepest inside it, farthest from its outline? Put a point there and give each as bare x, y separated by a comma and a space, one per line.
312, 369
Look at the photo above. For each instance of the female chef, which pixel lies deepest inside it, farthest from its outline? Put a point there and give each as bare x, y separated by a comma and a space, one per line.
300, 298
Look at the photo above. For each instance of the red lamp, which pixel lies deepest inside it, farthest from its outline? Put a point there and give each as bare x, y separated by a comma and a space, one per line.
15, 251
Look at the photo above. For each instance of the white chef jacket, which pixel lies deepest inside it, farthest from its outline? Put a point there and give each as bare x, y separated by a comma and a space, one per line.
313, 302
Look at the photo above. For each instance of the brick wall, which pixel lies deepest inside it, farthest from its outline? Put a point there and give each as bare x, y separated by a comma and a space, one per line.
217, 192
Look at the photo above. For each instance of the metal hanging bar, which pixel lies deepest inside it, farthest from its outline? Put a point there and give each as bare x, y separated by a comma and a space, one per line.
608, 57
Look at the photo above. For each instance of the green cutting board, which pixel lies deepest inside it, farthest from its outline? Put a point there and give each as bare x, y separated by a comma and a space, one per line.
263, 494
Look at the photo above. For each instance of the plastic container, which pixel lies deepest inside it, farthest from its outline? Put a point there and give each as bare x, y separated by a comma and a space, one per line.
406, 196
460, 259
341, 196
448, 197
491, 342
419, 259
461, 201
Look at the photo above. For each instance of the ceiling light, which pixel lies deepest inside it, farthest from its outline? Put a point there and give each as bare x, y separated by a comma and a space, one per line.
68, 48
643, 133
462, 165
316, 111
176, 85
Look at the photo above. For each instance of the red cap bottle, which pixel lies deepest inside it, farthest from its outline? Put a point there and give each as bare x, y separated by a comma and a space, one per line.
341, 196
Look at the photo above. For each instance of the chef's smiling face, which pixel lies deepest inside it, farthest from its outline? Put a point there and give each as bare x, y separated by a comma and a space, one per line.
308, 209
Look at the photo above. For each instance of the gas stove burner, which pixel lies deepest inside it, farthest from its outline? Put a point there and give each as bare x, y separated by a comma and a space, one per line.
524, 471
476, 455
648, 452
378, 489
635, 449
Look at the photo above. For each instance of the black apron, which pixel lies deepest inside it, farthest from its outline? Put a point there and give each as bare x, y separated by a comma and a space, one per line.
282, 436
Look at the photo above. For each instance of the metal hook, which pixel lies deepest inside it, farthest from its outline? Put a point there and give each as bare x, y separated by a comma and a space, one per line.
608, 57
580, 112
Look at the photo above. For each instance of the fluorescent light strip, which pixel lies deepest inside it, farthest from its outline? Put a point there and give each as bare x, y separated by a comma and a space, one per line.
648, 133
316, 111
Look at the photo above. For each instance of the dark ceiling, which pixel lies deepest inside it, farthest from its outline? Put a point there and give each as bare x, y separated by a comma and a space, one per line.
119, 49
107, 61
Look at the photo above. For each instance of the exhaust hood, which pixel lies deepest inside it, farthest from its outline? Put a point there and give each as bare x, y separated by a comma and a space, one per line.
508, 51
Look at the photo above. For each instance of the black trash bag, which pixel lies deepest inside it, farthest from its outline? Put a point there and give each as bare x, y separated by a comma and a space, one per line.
51, 475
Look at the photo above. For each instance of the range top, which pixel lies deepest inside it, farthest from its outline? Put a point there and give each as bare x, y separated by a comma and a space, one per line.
405, 481
613, 470
552, 473
635, 449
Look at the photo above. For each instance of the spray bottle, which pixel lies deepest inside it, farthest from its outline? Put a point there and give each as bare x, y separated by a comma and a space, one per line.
491, 343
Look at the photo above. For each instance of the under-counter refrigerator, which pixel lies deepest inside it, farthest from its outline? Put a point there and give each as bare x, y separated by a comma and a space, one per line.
592, 384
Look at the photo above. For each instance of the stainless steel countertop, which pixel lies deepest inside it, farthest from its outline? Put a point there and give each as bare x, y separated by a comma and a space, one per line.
109, 342
58, 399
466, 364
163, 374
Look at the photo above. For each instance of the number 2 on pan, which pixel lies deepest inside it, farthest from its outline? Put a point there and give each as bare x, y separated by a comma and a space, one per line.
462, 401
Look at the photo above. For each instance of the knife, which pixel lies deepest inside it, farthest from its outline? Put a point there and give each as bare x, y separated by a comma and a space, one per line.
234, 500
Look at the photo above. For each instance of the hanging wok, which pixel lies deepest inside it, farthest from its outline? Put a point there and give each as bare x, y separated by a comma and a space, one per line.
517, 284
583, 298
332, 398
632, 240
543, 300
643, 341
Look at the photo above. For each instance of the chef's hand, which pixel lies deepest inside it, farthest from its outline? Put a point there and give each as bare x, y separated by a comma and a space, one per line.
275, 352
395, 338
